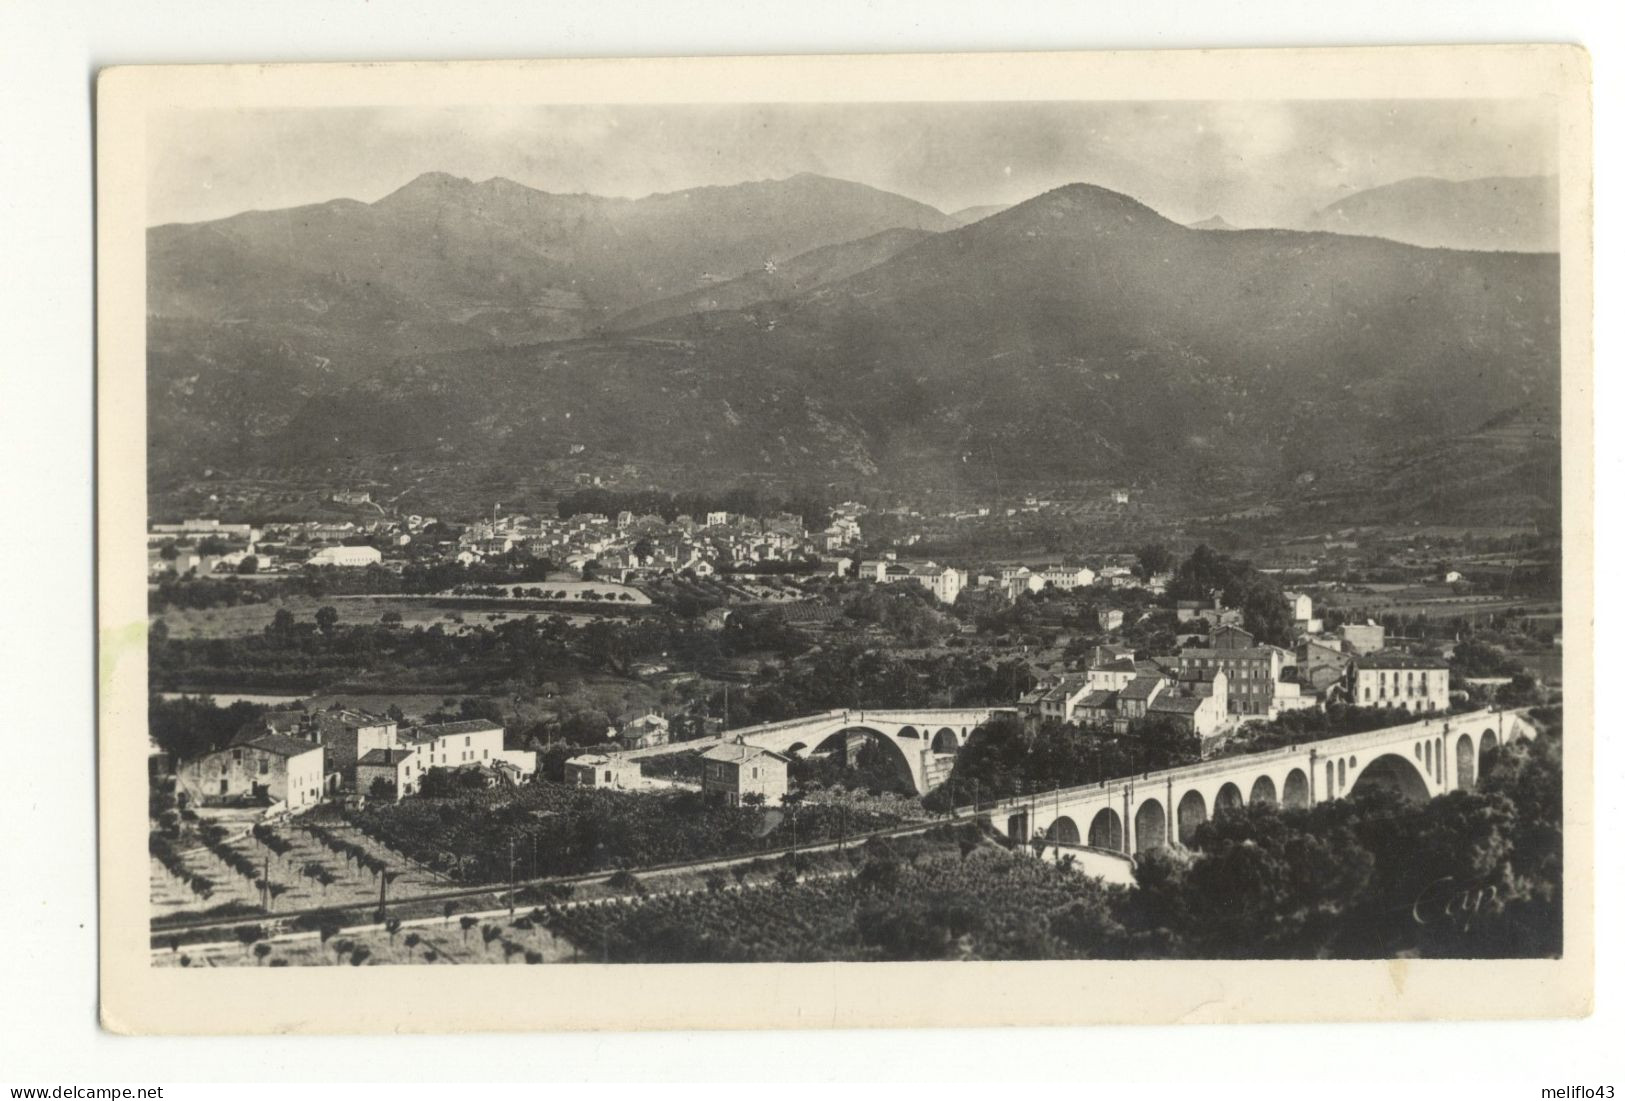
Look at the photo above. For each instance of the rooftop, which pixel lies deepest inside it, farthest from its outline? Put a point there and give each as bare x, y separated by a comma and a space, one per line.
441, 730
739, 752
1178, 705
1142, 687
384, 756
281, 745
1251, 653
1384, 659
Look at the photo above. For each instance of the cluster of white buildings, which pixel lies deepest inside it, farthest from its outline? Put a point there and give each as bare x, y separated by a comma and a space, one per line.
1231, 678
621, 547
947, 582
943, 582
179, 549
296, 758
627, 545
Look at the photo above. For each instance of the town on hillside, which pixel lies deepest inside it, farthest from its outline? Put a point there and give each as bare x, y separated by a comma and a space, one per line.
639, 703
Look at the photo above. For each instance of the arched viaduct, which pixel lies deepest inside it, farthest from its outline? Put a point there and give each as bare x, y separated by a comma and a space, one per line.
1129, 816
925, 741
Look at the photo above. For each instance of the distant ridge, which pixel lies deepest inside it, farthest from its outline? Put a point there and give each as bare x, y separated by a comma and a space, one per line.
1215, 222
976, 213
1494, 213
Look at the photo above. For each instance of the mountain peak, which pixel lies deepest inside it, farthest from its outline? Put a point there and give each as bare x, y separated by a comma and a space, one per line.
1078, 208
436, 184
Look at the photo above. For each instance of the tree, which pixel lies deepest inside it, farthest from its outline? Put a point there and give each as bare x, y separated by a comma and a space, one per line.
327, 618
327, 926
193, 725
282, 624
250, 564
1153, 559
390, 618
248, 935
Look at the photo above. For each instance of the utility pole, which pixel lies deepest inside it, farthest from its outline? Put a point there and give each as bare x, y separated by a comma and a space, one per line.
512, 886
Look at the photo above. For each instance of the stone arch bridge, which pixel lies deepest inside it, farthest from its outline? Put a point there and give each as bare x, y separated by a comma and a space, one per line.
924, 742
1122, 818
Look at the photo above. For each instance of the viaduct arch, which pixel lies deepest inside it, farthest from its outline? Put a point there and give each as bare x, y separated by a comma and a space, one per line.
1417, 761
923, 743
1192, 813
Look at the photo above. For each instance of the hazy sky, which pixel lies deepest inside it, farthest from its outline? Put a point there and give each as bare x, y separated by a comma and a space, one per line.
1254, 163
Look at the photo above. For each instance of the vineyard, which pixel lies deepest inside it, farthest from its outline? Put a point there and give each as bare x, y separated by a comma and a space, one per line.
553, 829
964, 901
277, 868
711, 592
463, 939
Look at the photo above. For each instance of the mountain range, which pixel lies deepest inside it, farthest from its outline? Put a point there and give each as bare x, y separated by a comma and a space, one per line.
472, 336
446, 262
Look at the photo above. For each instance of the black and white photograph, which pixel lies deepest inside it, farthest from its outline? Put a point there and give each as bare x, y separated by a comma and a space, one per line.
935, 530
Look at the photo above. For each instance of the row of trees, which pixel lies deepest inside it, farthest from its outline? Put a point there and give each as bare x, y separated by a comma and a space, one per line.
415, 578
302, 654
851, 676
554, 830
813, 508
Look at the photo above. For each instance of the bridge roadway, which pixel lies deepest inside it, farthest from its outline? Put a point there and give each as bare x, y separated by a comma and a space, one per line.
926, 739
1133, 815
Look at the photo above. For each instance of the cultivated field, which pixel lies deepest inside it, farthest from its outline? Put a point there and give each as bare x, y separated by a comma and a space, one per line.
425, 611
352, 878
